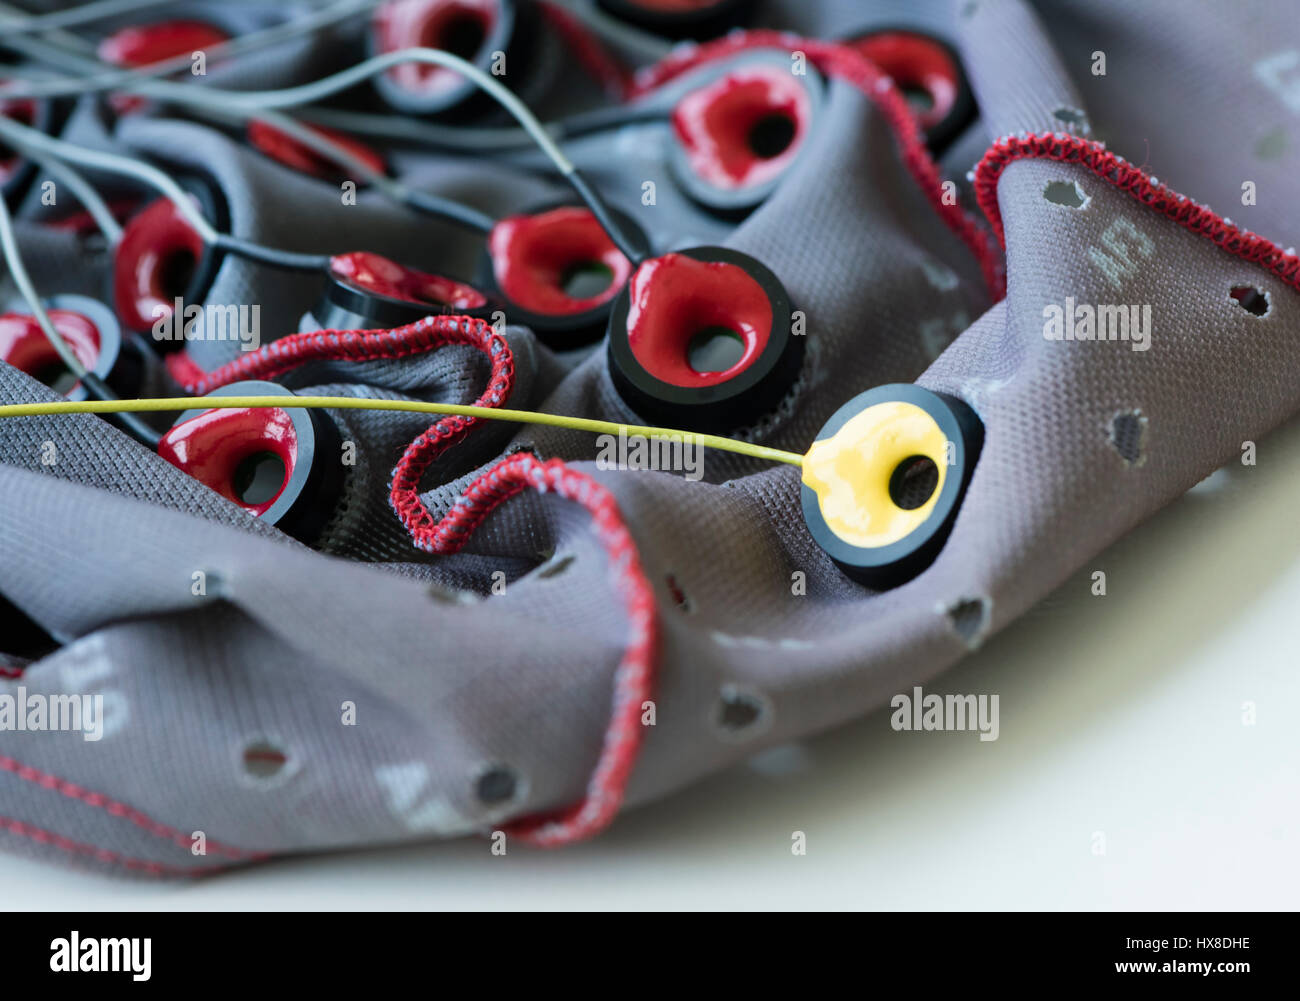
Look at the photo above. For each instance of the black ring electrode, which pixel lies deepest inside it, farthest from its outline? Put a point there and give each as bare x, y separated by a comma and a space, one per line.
917, 61
897, 427
729, 151
649, 344
313, 477
512, 31
352, 303
560, 330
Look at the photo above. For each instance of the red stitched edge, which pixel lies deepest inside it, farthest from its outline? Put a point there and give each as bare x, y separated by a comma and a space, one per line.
11, 672
595, 58
427, 334
1114, 169
634, 676
852, 66
117, 809
103, 855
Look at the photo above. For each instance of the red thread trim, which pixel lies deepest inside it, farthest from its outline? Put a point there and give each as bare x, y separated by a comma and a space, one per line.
11, 672
852, 66
1200, 219
595, 58
427, 334
115, 808
104, 855
634, 676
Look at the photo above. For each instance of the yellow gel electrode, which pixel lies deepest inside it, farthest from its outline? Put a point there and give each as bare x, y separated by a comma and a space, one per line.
850, 472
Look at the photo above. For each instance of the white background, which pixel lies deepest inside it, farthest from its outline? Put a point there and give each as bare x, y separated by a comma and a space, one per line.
1121, 715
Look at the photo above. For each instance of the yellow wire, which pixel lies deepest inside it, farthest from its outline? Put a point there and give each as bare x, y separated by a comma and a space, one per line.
411, 406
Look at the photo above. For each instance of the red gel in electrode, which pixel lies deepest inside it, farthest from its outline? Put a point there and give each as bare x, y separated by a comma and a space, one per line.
158, 251
23, 111
145, 44
290, 152
675, 297
379, 275
456, 26
534, 256
721, 125
212, 446
916, 63
24, 345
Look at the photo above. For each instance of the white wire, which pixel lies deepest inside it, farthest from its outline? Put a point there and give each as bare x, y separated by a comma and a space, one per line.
147, 174
9, 245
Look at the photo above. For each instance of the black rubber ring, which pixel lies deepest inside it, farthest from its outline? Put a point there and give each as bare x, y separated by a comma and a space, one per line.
888, 566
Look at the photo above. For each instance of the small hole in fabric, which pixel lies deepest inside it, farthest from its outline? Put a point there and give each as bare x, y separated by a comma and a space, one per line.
497, 785
555, 566
913, 482
263, 760
969, 619
680, 598
1066, 193
1072, 116
1128, 432
1252, 300
741, 713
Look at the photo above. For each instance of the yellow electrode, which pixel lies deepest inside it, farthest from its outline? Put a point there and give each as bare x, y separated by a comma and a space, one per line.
851, 472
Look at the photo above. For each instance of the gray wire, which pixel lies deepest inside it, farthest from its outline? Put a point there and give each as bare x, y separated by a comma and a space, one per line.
13, 258
120, 78
84, 192
22, 135
98, 10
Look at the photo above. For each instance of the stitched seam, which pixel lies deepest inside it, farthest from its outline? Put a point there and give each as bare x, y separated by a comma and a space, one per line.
853, 67
1114, 169
103, 855
634, 676
116, 809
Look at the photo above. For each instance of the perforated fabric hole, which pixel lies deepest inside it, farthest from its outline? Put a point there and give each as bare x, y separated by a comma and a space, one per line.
969, 619
496, 785
1066, 193
263, 761
680, 598
741, 713
1073, 117
555, 566
1128, 434
1254, 301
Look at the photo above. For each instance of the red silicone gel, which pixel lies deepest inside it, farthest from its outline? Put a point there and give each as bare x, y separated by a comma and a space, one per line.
715, 124
23, 111
533, 254
915, 61
674, 297
373, 273
288, 151
24, 345
145, 44
430, 24
211, 446
151, 243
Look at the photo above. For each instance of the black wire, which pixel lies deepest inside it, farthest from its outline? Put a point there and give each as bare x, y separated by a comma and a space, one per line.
128, 422
287, 260
633, 252
445, 208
